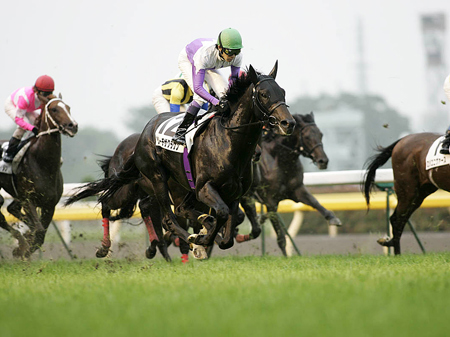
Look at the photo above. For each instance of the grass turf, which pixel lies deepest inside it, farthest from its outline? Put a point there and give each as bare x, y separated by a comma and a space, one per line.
357, 295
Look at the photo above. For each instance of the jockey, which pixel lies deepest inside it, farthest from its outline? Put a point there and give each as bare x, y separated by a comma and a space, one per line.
198, 62
23, 106
446, 142
172, 96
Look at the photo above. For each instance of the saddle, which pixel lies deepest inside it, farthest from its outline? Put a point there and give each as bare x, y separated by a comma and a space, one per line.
7, 168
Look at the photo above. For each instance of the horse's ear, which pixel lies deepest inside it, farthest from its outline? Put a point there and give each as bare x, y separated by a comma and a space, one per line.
60, 96
312, 115
252, 74
273, 73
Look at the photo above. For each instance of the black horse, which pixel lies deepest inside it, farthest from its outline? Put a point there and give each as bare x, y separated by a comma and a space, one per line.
220, 157
125, 200
279, 174
38, 182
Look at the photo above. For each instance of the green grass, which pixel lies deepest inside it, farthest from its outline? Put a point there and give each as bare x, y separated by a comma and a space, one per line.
253, 296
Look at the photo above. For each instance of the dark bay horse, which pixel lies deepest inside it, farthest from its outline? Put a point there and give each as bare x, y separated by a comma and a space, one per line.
125, 200
220, 157
412, 182
37, 185
279, 173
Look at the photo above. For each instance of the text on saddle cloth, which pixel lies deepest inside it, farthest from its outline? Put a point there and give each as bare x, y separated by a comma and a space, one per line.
434, 158
166, 130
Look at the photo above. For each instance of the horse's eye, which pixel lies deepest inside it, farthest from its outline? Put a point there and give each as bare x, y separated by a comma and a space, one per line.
263, 95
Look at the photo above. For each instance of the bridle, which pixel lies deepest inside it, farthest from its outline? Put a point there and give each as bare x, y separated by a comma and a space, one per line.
266, 113
302, 150
47, 116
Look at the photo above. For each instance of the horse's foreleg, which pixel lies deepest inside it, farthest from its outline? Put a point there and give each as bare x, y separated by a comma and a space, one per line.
37, 234
279, 230
248, 205
230, 227
210, 197
23, 250
302, 195
15, 208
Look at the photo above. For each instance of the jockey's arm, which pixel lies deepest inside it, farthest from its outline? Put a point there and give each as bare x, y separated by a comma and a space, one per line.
20, 121
199, 78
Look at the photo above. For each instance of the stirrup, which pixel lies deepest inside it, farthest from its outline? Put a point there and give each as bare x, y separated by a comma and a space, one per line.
179, 139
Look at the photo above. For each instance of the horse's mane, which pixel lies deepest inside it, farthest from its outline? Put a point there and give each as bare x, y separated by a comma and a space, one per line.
239, 87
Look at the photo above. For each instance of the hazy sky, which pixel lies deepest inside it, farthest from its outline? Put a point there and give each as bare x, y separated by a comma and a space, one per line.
107, 56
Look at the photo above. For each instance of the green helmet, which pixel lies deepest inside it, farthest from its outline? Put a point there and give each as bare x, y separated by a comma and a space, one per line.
230, 38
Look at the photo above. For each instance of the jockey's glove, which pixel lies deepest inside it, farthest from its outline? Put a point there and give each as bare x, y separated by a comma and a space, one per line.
224, 106
35, 131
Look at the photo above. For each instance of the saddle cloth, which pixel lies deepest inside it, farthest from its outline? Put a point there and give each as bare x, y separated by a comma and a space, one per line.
167, 129
434, 158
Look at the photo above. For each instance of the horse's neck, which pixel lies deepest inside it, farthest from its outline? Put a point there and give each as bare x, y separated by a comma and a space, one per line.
47, 148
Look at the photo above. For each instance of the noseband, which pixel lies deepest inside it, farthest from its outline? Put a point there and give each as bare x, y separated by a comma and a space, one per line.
47, 116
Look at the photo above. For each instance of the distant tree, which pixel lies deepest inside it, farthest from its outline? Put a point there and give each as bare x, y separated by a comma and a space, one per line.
81, 153
381, 125
138, 117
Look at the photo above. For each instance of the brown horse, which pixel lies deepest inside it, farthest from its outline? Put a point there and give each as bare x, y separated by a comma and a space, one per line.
38, 182
279, 174
412, 182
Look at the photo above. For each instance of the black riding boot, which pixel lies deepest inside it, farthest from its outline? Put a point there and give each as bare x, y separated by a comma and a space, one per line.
446, 144
12, 150
180, 134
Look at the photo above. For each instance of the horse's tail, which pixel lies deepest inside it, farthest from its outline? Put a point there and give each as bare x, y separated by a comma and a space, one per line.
106, 187
104, 164
372, 164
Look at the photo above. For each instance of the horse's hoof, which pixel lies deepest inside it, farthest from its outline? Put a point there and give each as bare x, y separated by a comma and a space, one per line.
206, 220
196, 239
102, 252
242, 238
335, 222
199, 252
150, 252
386, 242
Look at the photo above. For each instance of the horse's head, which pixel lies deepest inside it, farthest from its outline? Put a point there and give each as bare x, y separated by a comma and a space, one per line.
56, 116
307, 140
269, 98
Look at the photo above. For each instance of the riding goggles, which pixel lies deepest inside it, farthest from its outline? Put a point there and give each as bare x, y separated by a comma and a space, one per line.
231, 52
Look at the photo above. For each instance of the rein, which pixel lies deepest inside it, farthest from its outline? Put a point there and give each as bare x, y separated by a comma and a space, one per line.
47, 116
266, 113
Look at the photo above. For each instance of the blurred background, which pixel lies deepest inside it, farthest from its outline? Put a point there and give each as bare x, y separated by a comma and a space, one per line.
372, 71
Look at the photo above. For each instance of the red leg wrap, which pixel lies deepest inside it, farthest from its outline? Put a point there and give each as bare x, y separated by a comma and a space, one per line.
106, 242
151, 230
176, 242
185, 258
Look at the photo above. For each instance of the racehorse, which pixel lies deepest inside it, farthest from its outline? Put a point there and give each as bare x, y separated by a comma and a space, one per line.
279, 173
412, 182
220, 157
125, 200
38, 182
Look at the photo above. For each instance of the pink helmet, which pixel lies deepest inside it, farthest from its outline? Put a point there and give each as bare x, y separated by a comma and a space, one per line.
45, 83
